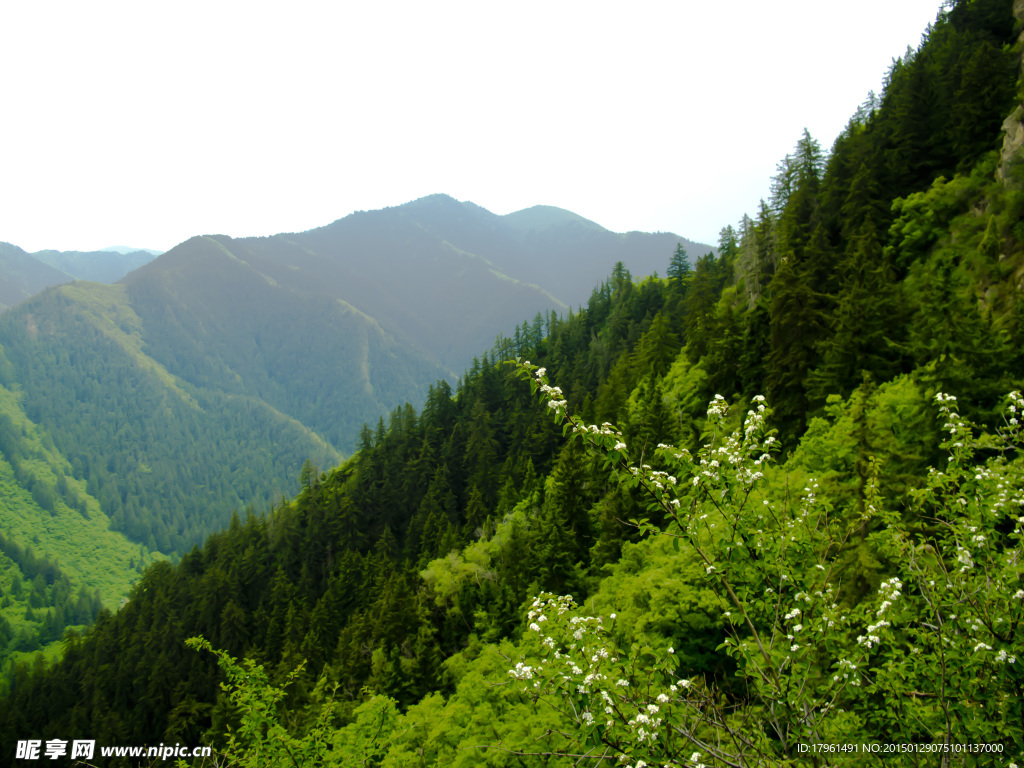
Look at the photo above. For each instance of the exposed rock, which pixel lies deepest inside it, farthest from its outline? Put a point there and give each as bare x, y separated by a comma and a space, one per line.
1011, 158
1013, 139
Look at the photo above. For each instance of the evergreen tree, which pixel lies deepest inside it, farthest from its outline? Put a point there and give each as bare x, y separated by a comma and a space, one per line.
867, 332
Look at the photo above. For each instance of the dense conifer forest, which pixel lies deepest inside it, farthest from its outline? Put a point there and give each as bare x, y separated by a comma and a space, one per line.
804, 527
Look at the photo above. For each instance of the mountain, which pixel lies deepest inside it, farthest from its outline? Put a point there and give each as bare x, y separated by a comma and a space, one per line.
126, 249
201, 381
105, 266
22, 275
402, 264
426, 286
560, 251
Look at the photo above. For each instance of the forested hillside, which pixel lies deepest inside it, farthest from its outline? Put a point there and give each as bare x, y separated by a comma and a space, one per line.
166, 462
806, 527
59, 560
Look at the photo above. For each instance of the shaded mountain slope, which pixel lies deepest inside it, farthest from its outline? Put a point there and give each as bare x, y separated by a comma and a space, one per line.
23, 275
560, 251
213, 318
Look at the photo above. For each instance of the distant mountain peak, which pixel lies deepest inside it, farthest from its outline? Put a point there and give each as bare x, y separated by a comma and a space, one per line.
125, 249
537, 217
439, 201
540, 217
437, 197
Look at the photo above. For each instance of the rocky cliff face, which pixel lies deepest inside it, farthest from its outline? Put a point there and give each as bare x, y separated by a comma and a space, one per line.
1011, 159
1013, 139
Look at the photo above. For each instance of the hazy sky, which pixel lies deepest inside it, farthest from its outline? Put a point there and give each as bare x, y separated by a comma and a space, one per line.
143, 123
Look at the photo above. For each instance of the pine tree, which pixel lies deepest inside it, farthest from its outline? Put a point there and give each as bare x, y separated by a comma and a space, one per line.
657, 348
799, 291
566, 528
701, 298
868, 325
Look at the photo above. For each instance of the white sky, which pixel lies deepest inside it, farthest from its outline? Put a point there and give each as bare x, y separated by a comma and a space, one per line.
143, 123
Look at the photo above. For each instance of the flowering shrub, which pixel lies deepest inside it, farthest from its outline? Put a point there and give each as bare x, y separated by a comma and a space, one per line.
931, 659
624, 704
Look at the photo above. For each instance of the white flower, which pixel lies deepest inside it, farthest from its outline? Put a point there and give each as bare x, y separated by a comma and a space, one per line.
521, 672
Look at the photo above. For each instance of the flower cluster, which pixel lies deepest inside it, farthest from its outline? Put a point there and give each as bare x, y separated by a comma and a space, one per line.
1015, 409
580, 667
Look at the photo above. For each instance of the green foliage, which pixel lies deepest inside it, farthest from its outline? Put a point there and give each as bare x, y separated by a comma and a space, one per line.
905, 666
922, 218
261, 739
